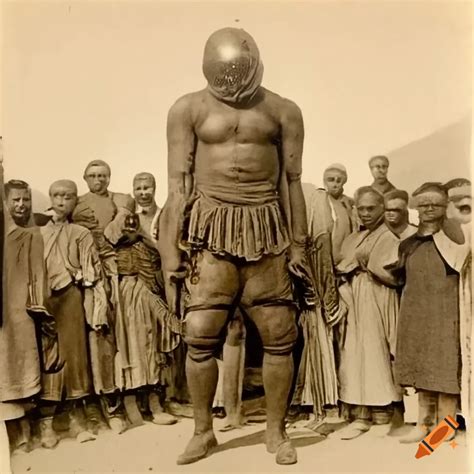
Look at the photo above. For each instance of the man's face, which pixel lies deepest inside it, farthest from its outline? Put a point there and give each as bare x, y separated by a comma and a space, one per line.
97, 179
369, 209
431, 207
144, 192
334, 182
63, 200
396, 211
19, 205
379, 169
460, 210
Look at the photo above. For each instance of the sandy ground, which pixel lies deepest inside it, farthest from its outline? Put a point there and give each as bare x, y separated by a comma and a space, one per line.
155, 448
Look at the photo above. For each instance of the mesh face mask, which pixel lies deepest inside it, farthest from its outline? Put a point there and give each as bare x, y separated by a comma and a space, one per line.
232, 65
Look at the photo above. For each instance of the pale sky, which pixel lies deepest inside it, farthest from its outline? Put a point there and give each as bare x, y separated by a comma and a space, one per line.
96, 79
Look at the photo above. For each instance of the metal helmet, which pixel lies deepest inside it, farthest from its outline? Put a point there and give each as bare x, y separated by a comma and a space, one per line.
232, 65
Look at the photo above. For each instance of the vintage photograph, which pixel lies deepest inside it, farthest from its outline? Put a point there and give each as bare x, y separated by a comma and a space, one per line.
236, 236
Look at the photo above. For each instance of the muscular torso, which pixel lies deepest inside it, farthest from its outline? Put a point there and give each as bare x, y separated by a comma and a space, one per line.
237, 150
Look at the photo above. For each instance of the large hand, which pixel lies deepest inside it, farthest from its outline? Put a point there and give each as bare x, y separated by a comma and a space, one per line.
297, 263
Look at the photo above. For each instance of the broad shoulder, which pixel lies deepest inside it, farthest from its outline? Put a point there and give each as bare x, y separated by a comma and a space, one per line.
187, 105
287, 109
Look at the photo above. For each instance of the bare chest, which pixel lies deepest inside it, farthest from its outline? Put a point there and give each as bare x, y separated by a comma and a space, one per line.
220, 123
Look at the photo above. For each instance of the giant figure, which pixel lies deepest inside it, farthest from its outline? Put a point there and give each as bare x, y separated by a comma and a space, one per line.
236, 212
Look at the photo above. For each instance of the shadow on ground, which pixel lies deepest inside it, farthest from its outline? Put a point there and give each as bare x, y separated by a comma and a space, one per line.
300, 439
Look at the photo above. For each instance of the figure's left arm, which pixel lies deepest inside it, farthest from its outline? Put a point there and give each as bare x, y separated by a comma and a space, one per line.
292, 137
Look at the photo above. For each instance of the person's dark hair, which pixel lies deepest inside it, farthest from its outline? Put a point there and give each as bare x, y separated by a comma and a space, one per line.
396, 194
457, 183
15, 184
431, 186
368, 190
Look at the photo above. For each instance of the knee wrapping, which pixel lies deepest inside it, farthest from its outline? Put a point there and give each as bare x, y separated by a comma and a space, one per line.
281, 342
201, 349
203, 328
280, 348
277, 327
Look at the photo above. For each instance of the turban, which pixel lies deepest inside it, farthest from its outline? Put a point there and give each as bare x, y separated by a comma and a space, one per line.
232, 65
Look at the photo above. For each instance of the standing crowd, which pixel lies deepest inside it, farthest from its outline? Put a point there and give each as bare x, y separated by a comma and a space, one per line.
87, 339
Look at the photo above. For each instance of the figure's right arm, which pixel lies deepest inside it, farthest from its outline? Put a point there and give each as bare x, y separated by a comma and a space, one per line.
181, 149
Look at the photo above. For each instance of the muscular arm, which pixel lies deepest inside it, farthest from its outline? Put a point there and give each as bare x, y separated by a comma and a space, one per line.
292, 134
181, 147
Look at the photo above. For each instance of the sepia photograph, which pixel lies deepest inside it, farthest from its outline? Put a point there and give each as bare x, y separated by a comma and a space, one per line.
236, 236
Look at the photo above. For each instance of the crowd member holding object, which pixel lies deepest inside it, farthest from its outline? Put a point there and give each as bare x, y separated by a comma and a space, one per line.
151, 331
144, 189
369, 332
429, 267
234, 161
173, 373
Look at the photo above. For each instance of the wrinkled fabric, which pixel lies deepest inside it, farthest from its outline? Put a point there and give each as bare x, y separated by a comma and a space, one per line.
24, 288
148, 332
368, 345
467, 348
97, 213
72, 259
248, 232
150, 329
428, 354
326, 214
317, 383
74, 380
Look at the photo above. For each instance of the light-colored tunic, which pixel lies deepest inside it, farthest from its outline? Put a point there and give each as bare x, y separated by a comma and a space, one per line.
368, 346
329, 221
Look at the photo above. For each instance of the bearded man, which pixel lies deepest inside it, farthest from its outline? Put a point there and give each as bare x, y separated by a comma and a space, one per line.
234, 163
